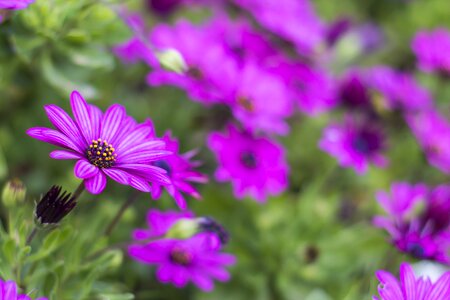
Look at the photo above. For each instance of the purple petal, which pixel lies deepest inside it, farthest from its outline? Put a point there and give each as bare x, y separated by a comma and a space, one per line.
52, 136
81, 112
64, 123
96, 119
9, 290
149, 145
144, 156
140, 184
137, 135
96, 184
409, 282
120, 176
150, 173
64, 154
441, 289
112, 120
83, 169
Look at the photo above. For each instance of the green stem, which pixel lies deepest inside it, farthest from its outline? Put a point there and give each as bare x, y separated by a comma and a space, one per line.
121, 211
78, 191
31, 236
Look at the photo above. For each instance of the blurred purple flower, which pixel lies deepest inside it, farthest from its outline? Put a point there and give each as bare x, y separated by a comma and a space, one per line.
163, 7
181, 261
433, 50
8, 291
411, 288
202, 55
294, 20
159, 223
90, 140
180, 170
399, 90
353, 91
15, 4
255, 166
355, 144
432, 131
418, 219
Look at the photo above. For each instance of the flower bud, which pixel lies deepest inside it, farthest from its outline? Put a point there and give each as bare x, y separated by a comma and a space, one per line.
54, 206
172, 60
183, 229
14, 192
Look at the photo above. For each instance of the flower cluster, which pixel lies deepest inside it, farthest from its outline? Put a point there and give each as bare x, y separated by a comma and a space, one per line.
418, 219
197, 258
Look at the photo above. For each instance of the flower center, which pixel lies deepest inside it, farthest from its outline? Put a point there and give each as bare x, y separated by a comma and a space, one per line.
181, 257
367, 142
195, 73
416, 250
249, 160
246, 104
163, 165
101, 154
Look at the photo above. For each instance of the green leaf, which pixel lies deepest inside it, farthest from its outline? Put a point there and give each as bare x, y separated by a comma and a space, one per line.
9, 250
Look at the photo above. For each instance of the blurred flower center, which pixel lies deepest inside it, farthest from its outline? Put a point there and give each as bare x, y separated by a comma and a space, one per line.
180, 256
194, 72
164, 165
416, 250
366, 142
249, 160
246, 103
101, 154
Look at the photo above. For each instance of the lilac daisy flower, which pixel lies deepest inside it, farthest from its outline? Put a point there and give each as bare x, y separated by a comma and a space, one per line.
432, 131
355, 143
109, 144
181, 171
432, 50
15, 4
409, 287
159, 223
8, 291
255, 166
400, 90
181, 261
417, 219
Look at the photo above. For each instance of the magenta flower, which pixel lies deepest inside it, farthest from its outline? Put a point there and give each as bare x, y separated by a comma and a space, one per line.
255, 166
181, 171
432, 131
432, 50
15, 4
417, 220
400, 90
355, 144
293, 20
8, 291
181, 261
159, 223
104, 144
411, 288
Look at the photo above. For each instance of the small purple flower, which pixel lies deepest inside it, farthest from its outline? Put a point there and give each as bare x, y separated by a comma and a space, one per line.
159, 223
400, 90
256, 166
293, 20
411, 288
432, 50
181, 261
15, 4
418, 219
104, 144
181, 171
355, 143
8, 291
432, 131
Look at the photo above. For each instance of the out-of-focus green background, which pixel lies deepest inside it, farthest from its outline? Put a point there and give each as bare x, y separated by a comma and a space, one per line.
314, 242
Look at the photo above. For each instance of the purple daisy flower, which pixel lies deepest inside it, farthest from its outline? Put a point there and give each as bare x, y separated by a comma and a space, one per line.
400, 90
355, 143
255, 166
181, 261
409, 287
159, 223
432, 131
432, 50
181, 171
8, 291
417, 219
15, 4
104, 144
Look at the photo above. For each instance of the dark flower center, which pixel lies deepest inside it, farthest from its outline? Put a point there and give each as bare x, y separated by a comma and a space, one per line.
181, 257
163, 165
194, 73
367, 142
246, 103
101, 154
249, 160
416, 250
